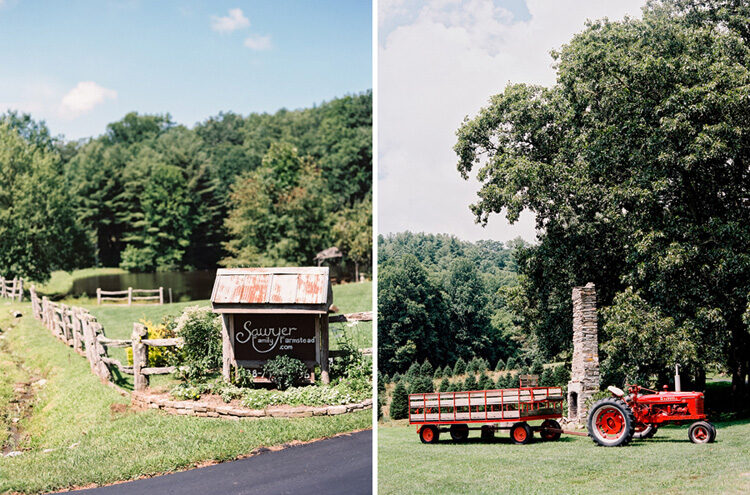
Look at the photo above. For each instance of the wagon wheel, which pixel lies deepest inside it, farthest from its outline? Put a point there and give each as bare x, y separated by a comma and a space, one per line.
645, 431
521, 433
611, 422
459, 433
429, 434
701, 432
548, 435
488, 432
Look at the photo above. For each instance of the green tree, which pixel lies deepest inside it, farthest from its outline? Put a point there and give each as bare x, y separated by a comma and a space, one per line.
500, 365
399, 403
413, 372
460, 367
470, 383
438, 373
485, 382
426, 368
410, 309
38, 228
512, 364
447, 371
422, 385
634, 166
445, 385
352, 232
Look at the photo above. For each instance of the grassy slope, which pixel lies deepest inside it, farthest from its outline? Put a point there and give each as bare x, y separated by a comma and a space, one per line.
60, 283
75, 408
668, 463
9, 375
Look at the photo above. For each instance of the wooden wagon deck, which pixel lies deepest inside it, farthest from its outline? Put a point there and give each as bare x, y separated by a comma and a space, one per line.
510, 404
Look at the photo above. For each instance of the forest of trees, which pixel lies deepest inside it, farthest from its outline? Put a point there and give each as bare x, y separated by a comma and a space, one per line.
441, 299
149, 194
635, 164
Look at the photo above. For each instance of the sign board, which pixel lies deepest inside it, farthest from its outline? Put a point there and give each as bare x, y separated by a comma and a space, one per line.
268, 312
259, 337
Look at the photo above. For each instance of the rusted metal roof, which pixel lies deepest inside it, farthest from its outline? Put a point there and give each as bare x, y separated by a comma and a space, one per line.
272, 286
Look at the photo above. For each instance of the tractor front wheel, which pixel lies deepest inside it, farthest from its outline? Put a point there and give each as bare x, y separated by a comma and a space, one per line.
546, 434
459, 433
521, 433
701, 432
611, 422
429, 434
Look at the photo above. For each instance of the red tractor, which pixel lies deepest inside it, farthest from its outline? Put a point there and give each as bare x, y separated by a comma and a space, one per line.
616, 420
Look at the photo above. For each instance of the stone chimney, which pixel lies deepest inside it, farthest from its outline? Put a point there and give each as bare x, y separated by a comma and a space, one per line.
584, 377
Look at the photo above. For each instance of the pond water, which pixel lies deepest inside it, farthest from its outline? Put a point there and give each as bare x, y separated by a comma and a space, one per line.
186, 286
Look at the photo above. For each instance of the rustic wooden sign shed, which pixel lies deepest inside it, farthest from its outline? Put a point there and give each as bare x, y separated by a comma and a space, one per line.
268, 312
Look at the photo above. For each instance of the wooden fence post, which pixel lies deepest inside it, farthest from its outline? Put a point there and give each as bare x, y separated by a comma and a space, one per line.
20, 289
226, 351
170, 295
140, 357
161, 295
130, 296
98, 295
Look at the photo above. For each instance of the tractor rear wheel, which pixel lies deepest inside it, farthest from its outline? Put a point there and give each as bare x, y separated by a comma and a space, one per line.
429, 434
701, 432
545, 432
713, 437
521, 433
459, 433
611, 422
647, 431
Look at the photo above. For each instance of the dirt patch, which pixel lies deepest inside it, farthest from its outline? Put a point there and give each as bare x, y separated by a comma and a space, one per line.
20, 406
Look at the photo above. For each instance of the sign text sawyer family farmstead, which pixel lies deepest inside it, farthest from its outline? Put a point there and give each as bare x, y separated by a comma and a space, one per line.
262, 336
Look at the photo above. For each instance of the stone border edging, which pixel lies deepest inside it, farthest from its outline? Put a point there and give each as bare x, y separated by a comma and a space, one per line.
203, 409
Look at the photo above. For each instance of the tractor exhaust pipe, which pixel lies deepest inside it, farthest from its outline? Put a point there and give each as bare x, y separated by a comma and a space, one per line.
677, 384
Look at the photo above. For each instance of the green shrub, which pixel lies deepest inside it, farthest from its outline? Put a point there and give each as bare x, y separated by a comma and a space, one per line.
284, 371
242, 377
399, 403
460, 367
381, 382
547, 378
185, 391
537, 368
302, 396
201, 353
561, 375
347, 355
157, 356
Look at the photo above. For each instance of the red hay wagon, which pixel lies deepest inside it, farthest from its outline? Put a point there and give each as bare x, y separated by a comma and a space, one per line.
488, 411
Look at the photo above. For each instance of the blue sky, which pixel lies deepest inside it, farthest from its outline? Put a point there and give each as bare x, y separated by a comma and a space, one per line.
79, 65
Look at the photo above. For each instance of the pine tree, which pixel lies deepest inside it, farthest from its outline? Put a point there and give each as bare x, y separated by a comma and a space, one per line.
561, 375
500, 383
447, 371
481, 365
396, 377
460, 367
485, 382
512, 364
400, 402
537, 368
500, 366
426, 369
547, 378
470, 383
438, 373
444, 385
413, 372
422, 385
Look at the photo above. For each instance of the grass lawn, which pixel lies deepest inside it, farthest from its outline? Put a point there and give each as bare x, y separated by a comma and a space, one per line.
60, 283
668, 463
109, 443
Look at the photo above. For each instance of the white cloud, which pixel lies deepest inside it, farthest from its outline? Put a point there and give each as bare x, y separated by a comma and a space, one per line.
441, 65
258, 42
234, 21
84, 97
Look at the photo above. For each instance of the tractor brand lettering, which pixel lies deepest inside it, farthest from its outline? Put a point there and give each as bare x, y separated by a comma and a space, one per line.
266, 339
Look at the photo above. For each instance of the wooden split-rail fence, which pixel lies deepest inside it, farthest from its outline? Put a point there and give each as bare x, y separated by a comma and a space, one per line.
11, 288
79, 329
131, 296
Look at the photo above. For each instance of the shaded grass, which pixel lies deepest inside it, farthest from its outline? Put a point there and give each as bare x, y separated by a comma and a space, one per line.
74, 408
10, 374
668, 463
61, 282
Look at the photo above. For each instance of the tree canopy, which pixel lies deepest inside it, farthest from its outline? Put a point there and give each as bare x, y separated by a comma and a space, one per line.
635, 164
150, 194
